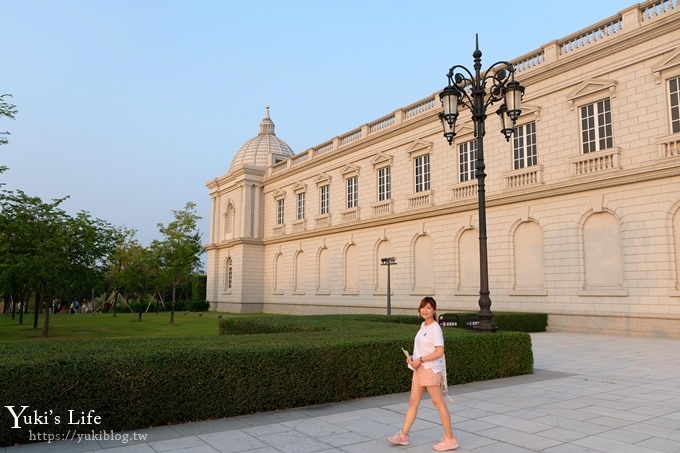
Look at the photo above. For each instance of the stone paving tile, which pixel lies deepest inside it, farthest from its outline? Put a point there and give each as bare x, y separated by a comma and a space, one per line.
232, 441
183, 443
660, 444
520, 439
603, 444
622, 396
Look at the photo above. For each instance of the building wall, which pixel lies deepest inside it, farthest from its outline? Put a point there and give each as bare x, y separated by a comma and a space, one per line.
593, 239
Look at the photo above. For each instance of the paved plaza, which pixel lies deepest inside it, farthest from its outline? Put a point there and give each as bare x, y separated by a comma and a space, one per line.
589, 393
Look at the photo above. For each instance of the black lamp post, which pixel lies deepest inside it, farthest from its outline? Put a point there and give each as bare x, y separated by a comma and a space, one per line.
388, 262
470, 90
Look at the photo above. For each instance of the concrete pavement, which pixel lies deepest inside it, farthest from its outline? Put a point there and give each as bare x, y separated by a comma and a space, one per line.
589, 393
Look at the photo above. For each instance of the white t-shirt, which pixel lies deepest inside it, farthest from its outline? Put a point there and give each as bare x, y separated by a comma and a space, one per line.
424, 344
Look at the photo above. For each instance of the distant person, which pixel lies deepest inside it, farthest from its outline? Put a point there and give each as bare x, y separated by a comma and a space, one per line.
426, 363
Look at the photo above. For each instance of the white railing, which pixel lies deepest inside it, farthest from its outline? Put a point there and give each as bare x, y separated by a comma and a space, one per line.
279, 229
669, 147
590, 36
464, 190
351, 137
381, 124
382, 208
524, 177
631, 18
596, 162
324, 148
421, 199
349, 215
530, 61
420, 107
322, 220
657, 9
299, 226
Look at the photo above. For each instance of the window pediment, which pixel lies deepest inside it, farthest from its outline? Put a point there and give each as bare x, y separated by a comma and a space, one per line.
349, 170
529, 110
671, 62
279, 194
299, 187
592, 87
382, 160
419, 147
322, 179
464, 133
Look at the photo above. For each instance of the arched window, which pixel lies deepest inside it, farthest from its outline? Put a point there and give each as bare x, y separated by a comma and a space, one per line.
468, 261
352, 269
423, 270
229, 221
602, 252
323, 271
529, 268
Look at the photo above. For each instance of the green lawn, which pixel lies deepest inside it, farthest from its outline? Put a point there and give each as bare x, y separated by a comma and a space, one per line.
104, 325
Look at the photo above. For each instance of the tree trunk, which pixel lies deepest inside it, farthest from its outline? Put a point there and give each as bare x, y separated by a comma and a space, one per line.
172, 306
141, 305
36, 310
21, 313
115, 302
46, 325
14, 308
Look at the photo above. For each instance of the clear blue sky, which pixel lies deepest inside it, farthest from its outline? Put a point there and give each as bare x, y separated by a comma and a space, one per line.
130, 106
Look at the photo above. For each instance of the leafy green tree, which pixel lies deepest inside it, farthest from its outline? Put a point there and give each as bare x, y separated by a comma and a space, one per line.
33, 234
180, 250
7, 110
134, 268
47, 250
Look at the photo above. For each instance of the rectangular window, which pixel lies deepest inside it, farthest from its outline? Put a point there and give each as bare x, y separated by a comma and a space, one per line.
674, 90
422, 173
384, 183
301, 206
524, 146
230, 275
352, 192
467, 158
596, 126
279, 211
324, 196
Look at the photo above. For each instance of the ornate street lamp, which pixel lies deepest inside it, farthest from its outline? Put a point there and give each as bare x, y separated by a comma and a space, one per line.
470, 91
391, 261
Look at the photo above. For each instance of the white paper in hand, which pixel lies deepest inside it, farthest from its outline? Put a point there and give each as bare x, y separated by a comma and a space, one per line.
408, 356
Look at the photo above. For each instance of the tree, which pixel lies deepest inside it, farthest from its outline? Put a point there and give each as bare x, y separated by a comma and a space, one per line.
133, 267
45, 251
7, 110
180, 250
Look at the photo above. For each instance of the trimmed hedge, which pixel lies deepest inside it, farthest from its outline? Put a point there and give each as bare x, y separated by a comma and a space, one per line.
133, 384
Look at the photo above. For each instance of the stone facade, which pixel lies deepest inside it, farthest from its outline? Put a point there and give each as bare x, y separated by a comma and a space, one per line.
583, 203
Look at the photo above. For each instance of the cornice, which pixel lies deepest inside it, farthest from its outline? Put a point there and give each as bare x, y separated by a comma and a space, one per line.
231, 243
604, 49
389, 133
573, 186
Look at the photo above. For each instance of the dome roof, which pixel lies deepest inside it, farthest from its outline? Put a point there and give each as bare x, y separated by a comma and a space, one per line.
263, 149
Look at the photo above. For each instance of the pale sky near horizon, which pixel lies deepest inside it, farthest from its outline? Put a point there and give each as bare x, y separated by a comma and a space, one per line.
130, 106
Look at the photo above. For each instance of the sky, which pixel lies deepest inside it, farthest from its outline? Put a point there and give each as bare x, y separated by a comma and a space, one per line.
129, 107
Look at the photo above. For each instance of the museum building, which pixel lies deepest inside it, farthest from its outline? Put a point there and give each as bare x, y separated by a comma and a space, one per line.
582, 203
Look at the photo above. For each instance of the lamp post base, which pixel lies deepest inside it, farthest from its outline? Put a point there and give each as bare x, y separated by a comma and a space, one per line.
485, 325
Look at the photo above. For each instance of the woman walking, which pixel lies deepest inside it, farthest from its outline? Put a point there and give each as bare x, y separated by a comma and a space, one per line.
426, 363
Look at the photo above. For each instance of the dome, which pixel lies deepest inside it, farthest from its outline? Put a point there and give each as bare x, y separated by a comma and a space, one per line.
264, 149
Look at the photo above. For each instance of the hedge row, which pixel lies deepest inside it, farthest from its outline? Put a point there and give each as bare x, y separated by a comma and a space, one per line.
133, 384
